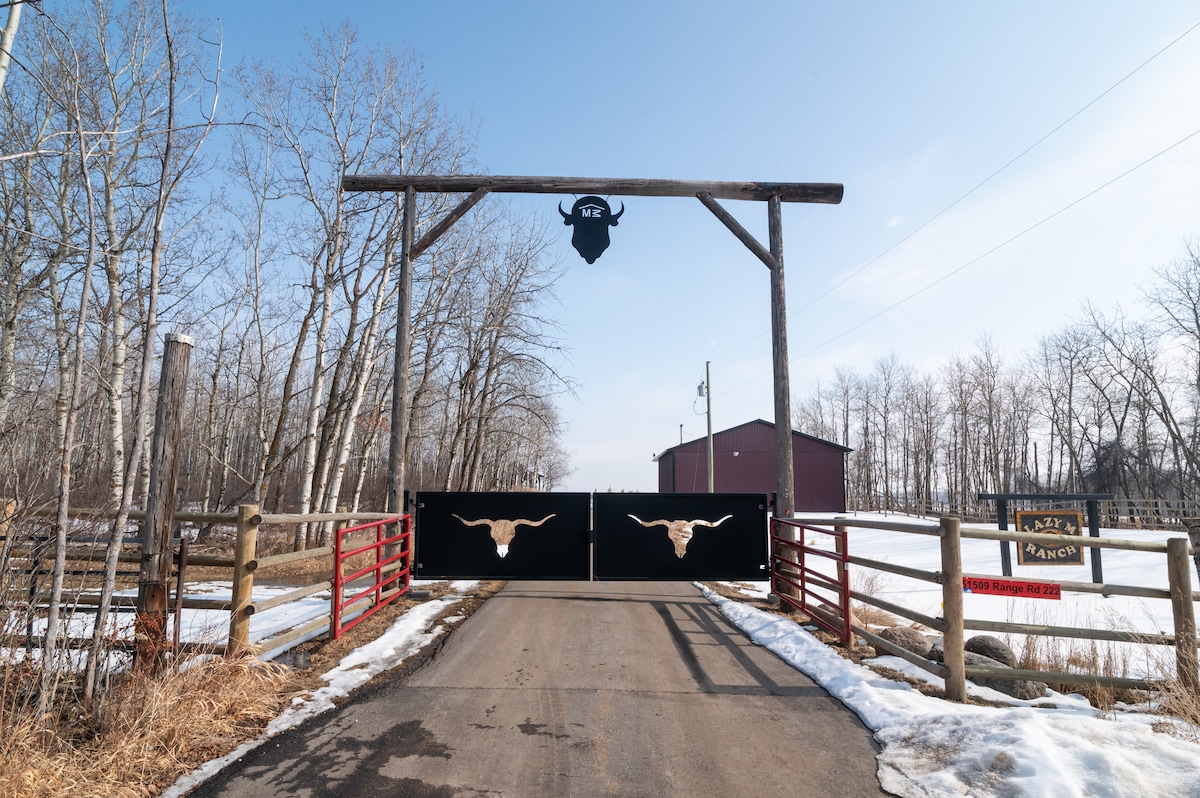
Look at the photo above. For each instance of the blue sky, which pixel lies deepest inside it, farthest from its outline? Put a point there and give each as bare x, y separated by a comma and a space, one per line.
909, 105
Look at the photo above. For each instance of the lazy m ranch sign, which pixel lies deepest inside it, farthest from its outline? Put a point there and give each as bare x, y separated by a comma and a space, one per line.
1050, 522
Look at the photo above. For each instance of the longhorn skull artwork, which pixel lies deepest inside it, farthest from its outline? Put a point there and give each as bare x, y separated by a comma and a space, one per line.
680, 532
503, 531
591, 217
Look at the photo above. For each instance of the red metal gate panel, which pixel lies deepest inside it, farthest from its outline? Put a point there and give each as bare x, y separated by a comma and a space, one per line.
822, 594
387, 574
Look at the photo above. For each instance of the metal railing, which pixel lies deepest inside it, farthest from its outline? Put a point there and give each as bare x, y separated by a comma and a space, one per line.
387, 583
811, 587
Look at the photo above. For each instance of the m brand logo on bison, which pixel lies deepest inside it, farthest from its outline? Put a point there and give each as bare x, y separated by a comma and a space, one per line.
591, 217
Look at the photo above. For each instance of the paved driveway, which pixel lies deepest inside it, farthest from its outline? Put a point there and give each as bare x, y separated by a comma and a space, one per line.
578, 689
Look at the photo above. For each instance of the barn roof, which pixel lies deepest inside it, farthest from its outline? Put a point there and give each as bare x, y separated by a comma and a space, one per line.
767, 424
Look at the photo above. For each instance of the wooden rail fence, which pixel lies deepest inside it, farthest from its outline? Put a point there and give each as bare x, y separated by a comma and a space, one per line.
952, 623
245, 565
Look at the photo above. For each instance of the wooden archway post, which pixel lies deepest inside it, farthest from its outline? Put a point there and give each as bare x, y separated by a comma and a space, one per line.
397, 442
708, 192
785, 478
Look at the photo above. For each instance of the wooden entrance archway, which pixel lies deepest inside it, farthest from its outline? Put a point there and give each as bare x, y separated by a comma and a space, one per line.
708, 192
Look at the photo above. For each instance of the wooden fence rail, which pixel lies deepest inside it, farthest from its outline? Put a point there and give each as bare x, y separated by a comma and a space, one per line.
245, 565
953, 622
1174, 514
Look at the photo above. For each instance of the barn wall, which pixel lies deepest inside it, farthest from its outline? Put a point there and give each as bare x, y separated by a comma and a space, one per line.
666, 473
745, 463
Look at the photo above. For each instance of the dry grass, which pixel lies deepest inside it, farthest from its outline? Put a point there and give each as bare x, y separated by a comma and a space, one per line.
1181, 709
1106, 659
871, 583
148, 732
1097, 658
152, 729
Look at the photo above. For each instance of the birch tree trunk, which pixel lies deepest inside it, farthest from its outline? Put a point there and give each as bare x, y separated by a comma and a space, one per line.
173, 169
6, 40
68, 415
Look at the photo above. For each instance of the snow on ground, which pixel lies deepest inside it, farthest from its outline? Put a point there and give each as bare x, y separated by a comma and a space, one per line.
1057, 747
933, 747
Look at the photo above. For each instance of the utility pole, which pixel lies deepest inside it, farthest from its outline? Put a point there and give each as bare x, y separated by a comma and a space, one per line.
706, 392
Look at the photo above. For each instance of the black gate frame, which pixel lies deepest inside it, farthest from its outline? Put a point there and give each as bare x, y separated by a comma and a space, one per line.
583, 536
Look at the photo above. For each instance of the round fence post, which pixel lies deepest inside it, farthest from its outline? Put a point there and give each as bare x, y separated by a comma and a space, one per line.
952, 610
244, 553
1184, 611
841, 548
157, 530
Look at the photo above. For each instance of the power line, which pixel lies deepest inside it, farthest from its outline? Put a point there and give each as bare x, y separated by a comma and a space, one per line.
989, 178
1002, 244
953, 204
979, 257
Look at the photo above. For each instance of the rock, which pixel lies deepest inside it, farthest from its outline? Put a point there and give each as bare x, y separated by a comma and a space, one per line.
1019, 689
993, 648
937, 653
907, 639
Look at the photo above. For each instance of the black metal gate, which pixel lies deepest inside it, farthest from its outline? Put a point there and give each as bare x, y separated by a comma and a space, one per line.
503, 535
585, 536
681, 536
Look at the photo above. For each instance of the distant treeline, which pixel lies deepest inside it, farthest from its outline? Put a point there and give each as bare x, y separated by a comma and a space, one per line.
1108, 403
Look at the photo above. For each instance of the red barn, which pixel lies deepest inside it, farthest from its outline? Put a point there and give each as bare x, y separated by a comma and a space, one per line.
744, 462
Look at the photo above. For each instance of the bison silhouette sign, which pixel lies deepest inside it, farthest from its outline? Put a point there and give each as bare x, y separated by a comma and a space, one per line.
591, 217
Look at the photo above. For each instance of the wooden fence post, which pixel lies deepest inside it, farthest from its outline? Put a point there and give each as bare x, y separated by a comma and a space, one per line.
244, 563
335, 592
952, 610
839, 548
1179, 577
157, 552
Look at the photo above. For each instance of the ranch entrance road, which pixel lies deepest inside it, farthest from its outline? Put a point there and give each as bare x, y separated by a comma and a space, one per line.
577, 689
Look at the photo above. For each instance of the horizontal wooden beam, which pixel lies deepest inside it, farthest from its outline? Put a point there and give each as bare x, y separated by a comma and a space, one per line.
824, 193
